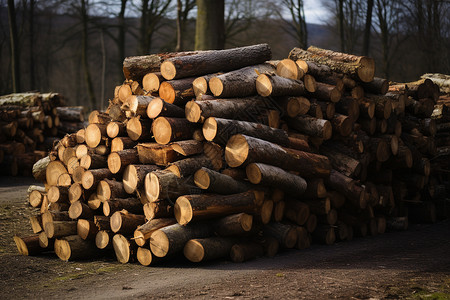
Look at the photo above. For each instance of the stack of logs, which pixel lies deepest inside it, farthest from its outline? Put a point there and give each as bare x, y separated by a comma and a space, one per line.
31, 123
268, 155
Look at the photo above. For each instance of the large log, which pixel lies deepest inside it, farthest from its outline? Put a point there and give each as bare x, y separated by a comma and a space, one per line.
312, 126
358, 67
267, 175
171, 239
214, 61
238, 83
190, 208
198, 250
242, 150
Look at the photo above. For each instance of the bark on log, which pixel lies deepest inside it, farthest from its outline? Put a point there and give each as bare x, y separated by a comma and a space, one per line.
132, 205
91, 178
167, 185
296, 211
134, 176
188, 166
117, 161
160, 108
166, 130
153, 153
151, 81
142, 233
94, 133
312, 126
139, 129
107, 189
187, 147
124, 249
285, 234
216, 182
28, 245
125, 223
93, 161
73, 247
39, 169
158, 209
58, 229
80, 210
122, 143
233, 225
245, 251
214, 61
273, 85
177, 92
86, 229
206, 249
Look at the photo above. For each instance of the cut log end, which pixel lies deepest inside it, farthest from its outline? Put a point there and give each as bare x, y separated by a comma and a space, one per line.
183, 211
159, 243
168, 70
121, 248
263, 85
253, 173
366, 71
167, 92
193, 112
194, 251
155, 107
201, 179
102, 239
237, 150
114, 162
62, 249
216, 86
164, 133
144, 256
210, 129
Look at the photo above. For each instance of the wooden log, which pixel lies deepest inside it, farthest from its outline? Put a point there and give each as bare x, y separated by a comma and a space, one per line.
245, 251
357, 67
28, 245
80, 210
273, 85
87, 229
94, 134
137, 105
200, 85
107, 189
327, 92
51, 215
142, 233
348, 187
171, 239
151, 81
197, 207
166, 130
216, 182
214, 61
233, 108
124, 249
315, 188
114, 129
36, 223
134, 176
116, 113
289, 69
132, 205
71, 113
206, 249
35, 195
376, 86
296, 211
54, 170
58, 194
125, 223
233, 225
242, 149
73, 247
154, 153
122, 143
139, 129
158, 209
342, 124
324, 234
167, 185
58, 229
285, 234
103, 238
341, 162
39, 169
93, 161
267, 175
91, 178
117, 161
178, 91
188, 166
160, 108
238, 83
220, 130
312, 126
187, 147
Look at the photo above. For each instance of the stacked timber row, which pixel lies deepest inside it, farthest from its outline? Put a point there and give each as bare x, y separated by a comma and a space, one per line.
31, 123
226, 154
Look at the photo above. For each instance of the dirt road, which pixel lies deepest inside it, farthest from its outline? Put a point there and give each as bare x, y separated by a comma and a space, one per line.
414, 264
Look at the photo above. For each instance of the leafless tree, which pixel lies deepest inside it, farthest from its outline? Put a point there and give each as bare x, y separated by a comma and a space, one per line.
183, 10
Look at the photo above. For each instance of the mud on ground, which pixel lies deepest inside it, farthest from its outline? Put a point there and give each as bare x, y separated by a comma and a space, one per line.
399, 265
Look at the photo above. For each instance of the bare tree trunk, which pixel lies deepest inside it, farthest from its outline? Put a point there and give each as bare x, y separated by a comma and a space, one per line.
210, 27
84, 53
179, 46
15, 53
368, 27
121, 37
341, 24
31, 44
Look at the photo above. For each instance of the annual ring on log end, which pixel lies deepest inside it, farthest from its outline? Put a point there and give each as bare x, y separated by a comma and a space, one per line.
62, 249
159, 243
121, 248
144, 256
154, 107
210, 129
246, 222
253, 173
134, 128
152, 182
168, 70
183, 211
216, 86
21, 246
116, 221
263, 85
201, 179
193, 112
236, 151
367, 69
194, 251
166, 92
102, 239
164, 132
200, 86
130, 179
114, 163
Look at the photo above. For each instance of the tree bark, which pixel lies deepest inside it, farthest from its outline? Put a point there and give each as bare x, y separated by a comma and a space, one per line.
160, 108
216, 182
206, 249
210, 25
166, 130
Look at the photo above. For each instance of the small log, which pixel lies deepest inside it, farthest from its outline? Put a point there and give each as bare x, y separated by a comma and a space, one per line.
87, 229
117, 161
122, 143
273, 85
51, 215
348, 187
58, 194
324, 234
80, 210
114, 129
312, 126
296, 211
216, 182
206, 249
58, 229
233, 225
107, 189
343, 163
160, 108
91, 178
171, 239
142, 233
74, 247
39, 169
151, 81
36, 223
132, 205
134, 176
166, 130
125, 223
187, 147
139, 129
315, 188
54, 170
94, 133
285, 234
35, 195
93, 161
246, 251
167, 185
376, 86
267, 175
289, 69
102, 239
124, 249
188, 166
28, 245
154, 153
326, 92
178, 91
158, 209
137, 105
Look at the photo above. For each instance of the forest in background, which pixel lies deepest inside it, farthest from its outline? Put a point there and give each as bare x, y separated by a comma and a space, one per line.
76, 47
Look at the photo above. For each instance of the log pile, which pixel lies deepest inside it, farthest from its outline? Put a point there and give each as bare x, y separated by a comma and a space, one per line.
309, 149
31, 123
